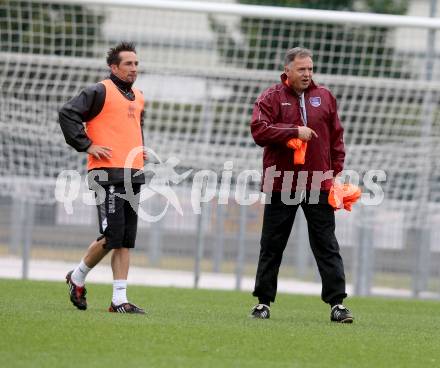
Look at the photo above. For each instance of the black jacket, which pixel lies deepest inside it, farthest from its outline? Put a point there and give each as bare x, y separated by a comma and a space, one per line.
84, 107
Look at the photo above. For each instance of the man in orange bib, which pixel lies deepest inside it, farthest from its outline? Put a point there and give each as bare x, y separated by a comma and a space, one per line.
112, 111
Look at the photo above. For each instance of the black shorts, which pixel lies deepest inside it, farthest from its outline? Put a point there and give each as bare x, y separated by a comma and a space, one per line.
118, 217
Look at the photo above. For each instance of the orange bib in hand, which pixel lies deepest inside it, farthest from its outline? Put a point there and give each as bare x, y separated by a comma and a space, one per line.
343, 196
300, 147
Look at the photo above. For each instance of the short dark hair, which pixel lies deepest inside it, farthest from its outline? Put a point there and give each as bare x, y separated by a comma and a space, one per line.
301, 52
113, 57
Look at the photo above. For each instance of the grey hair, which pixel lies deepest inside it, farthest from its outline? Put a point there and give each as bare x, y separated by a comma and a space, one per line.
301, 52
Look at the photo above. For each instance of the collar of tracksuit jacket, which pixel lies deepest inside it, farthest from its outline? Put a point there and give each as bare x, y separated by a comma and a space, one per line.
291, 91
124, 87
301, 97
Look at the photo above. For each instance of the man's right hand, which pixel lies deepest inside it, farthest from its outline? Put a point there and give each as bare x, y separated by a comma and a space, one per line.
99, 151
305, 133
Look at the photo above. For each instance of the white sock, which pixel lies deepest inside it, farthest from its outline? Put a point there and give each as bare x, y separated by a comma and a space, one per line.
119, 292
79, 274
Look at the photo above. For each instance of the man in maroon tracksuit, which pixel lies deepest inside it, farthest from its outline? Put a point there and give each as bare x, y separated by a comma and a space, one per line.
298, 108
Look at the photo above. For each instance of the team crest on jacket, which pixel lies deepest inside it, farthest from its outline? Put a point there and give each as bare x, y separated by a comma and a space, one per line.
315, 101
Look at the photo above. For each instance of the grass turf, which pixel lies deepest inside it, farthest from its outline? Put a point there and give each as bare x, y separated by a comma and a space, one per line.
200, 328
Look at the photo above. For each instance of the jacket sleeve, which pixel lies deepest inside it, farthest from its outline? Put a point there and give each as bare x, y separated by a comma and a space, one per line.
81, 108
264, 126
337, 147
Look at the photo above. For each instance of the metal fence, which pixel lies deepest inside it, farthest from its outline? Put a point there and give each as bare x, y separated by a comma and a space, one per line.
380, 258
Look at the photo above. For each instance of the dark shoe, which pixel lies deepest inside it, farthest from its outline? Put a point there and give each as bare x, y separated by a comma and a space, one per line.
261, 311
77, 293
126, 308
341, 314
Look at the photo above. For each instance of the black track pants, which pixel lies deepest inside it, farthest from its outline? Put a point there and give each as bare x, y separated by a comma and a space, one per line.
277, 224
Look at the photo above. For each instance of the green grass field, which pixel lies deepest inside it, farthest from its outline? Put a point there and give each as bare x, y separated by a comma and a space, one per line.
199, 328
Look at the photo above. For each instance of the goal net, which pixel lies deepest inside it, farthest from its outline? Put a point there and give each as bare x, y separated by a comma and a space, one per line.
202, 67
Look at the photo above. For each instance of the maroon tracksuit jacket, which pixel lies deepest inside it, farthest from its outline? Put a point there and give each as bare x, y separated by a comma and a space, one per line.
275, 119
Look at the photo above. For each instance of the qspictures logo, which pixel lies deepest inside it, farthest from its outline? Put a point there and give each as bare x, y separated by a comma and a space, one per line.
205, 186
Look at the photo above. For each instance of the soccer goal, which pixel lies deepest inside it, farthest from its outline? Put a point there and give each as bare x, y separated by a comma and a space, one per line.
202, 65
